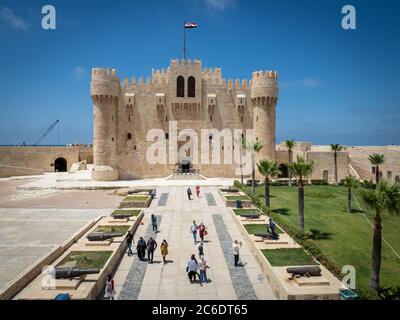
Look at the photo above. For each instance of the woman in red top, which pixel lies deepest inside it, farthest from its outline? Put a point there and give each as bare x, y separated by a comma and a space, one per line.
202, 231
198, 191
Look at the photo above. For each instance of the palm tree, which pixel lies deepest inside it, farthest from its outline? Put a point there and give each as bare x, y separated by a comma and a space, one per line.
386, 197
268, 169
377, 160
336, 148
301, 169
350, 182
253, 147
290, 144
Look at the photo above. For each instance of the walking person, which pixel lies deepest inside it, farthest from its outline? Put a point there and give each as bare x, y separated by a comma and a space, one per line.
271, 226
154, 222
141, 248
110, 288
203, 269
192, 269
189, 193
202, 231
129, 241
201, 249
151, 247
236, 250
164, 250
198, 191
193, 230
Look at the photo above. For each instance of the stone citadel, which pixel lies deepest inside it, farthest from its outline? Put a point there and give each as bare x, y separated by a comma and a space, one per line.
194, 98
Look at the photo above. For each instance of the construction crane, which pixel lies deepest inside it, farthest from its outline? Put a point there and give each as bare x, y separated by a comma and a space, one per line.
44, 135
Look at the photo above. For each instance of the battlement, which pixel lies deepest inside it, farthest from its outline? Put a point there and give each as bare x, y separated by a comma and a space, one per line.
175, 63
105, 82
104, 73
265, 73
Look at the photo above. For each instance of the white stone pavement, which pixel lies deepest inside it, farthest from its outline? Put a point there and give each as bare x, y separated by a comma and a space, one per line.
170, 281
81, 180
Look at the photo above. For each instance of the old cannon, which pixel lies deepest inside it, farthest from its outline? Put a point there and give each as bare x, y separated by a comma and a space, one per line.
267, 236
72, 272
101, 236
250, 215
121, 216
308, 271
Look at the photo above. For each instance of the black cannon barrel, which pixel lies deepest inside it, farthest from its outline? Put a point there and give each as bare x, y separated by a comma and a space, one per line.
100, 236
121, 216
72, 272
311, 271
262, 235
250, 215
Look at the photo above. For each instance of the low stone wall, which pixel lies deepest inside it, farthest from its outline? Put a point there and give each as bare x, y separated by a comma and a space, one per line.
93, 285
279, 287
19, 283
34, 160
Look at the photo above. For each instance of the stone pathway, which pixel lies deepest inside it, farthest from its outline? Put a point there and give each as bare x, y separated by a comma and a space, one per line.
137, 280
133, 282
240, 280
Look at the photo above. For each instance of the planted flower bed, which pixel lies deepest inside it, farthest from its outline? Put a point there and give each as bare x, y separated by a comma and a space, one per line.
112, 229
132, 213
86, 259
259, 228
231, 201
136, 201
288, 257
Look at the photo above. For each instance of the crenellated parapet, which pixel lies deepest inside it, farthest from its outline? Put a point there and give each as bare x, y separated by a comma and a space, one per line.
104, 86
264, 88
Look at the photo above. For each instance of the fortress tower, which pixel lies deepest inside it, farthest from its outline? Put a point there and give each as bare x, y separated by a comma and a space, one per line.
104, 90
264, 97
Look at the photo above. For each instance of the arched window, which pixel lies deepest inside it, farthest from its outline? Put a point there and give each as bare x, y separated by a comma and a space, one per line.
180, 87
325, 175
191, 87
397, 179
129, 136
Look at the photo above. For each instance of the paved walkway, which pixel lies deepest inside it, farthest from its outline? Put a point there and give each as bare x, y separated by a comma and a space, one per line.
135, 279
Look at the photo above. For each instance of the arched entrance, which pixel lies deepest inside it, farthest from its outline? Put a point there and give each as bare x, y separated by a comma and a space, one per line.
325, 175
60, 165
185, 166
283, 168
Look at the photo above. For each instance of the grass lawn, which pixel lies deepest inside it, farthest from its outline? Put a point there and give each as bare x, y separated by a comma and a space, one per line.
234, 198
119, 229
345, 238
86, 259
259, 228
246, 211
288, 257
133, 213
136, 198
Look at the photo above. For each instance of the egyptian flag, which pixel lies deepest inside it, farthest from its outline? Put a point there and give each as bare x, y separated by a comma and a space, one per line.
190, 25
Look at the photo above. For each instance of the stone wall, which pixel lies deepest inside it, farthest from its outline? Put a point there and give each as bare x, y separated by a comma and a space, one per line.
390, 169
29, 160
153, 104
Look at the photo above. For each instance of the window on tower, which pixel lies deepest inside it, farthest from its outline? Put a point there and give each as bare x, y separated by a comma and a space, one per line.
180, 87
191, 87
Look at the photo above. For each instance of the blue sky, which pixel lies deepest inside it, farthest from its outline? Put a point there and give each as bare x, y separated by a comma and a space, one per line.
336, 86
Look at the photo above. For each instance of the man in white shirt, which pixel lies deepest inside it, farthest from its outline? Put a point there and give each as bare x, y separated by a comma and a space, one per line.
236, 250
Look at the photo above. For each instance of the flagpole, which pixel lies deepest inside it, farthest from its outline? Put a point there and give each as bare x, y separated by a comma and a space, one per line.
184, 40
